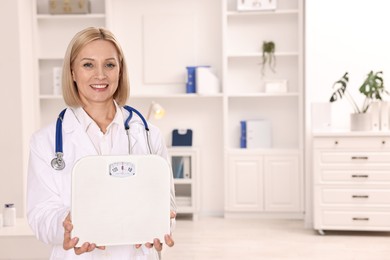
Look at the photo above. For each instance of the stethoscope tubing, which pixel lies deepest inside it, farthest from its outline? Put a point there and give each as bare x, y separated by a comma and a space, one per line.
58, 162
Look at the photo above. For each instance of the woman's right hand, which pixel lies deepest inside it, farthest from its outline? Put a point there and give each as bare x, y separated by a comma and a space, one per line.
70, 243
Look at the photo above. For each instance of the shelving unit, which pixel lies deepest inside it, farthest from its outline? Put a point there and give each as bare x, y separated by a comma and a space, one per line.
268, 180
52, 33
215, 119
184, 161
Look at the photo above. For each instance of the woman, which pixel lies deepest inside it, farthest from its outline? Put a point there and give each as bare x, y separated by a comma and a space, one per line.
95, 86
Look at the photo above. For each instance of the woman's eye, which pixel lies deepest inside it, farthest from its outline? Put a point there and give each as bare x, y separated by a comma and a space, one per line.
110, 65
87, 65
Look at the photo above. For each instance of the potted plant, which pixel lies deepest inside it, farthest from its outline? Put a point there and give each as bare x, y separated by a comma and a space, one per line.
373, 90
268, 49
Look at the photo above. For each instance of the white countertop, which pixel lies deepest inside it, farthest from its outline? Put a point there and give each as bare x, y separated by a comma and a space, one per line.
21, 228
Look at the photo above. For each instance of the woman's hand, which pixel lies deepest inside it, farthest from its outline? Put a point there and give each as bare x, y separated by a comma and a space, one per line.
157, 243
70, 243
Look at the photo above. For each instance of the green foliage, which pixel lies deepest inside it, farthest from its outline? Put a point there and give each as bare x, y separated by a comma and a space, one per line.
268, 49
372, 88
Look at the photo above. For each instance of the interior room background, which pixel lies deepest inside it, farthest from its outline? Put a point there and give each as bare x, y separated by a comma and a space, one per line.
340, 36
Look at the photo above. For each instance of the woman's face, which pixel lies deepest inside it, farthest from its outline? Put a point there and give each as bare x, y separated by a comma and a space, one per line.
96, 71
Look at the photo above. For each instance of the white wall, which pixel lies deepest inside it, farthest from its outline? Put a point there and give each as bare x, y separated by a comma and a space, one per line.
11, 146
198, 43
341, 36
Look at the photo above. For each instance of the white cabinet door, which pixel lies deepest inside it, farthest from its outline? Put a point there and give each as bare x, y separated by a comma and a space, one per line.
245, 183
282, 184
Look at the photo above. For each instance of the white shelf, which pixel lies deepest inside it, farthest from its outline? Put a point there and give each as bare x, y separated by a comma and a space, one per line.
182, 181
264, 95
186, 189
259, 55
252, 173
260, 13
69, 16
179, 95
263, 151
21, 228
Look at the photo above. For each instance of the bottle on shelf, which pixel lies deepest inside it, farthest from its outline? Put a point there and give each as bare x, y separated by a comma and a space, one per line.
9, 213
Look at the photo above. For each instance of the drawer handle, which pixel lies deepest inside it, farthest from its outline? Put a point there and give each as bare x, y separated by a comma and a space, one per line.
359, 157
360, 196
361, 219
359, 175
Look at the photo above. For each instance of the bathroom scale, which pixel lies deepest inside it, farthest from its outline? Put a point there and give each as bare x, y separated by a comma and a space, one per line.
120, 200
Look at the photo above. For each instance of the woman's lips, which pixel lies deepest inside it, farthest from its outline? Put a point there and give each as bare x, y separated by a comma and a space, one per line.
99, 86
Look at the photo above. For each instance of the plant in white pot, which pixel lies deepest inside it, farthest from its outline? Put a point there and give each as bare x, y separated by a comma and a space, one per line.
269, 61
372, 88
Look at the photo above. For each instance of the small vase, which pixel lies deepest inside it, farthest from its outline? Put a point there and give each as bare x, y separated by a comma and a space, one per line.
361, 122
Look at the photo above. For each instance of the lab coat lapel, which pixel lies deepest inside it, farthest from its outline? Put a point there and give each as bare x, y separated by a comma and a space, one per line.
75, 132
121, 142
120, 145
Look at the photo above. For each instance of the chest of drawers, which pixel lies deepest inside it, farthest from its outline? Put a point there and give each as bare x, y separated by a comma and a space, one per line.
351, 176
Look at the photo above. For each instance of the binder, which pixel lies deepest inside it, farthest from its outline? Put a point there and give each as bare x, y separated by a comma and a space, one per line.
256, 134
182, 137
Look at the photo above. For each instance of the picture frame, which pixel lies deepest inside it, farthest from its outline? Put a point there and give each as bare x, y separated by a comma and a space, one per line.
256, 5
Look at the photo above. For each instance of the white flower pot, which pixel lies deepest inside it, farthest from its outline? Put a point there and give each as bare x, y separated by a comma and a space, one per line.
361, 122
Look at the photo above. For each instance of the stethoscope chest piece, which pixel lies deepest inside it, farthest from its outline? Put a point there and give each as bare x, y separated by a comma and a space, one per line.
58, 163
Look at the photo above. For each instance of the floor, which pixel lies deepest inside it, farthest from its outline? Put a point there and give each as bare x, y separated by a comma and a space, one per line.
219, 238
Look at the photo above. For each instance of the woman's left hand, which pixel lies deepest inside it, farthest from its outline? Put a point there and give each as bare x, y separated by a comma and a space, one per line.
157, 243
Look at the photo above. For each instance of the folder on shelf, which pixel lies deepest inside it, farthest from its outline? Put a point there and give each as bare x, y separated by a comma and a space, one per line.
256, 134
182, 137
181, 167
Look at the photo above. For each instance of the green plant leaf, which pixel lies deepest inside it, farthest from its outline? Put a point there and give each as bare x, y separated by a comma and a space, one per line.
268, 49
340, 87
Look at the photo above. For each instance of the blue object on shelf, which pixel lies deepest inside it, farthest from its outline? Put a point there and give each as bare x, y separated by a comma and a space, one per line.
178, 167
243, 134
191, 84
191, 78
182, 137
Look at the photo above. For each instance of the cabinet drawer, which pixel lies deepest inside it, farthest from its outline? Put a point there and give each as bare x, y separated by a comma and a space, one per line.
352, 142
355, 176
366, 197
356, 219
355, 157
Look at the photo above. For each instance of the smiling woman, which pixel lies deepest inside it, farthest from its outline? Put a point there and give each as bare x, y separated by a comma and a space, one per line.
95, 87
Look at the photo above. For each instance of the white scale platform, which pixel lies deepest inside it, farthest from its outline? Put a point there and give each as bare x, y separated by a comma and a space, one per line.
120, 200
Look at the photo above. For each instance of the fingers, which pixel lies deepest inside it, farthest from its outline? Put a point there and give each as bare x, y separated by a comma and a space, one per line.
157, 244
173, 214
68, 241
169, 240
86, 247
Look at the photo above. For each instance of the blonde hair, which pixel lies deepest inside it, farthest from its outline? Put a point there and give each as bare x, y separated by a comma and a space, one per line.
69, 88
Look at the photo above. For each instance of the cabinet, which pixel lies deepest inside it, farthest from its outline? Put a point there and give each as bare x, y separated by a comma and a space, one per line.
52, 34
258, 177
263, 183
351, 182
184, 162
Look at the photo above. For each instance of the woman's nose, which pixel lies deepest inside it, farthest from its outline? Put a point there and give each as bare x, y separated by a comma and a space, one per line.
100, 73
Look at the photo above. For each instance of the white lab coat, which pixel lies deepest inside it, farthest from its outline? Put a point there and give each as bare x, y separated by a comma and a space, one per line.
49, 191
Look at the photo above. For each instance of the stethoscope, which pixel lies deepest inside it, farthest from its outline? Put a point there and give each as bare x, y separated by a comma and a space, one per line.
58, 162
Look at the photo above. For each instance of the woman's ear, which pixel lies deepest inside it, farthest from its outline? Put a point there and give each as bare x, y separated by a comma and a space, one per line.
73, 77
